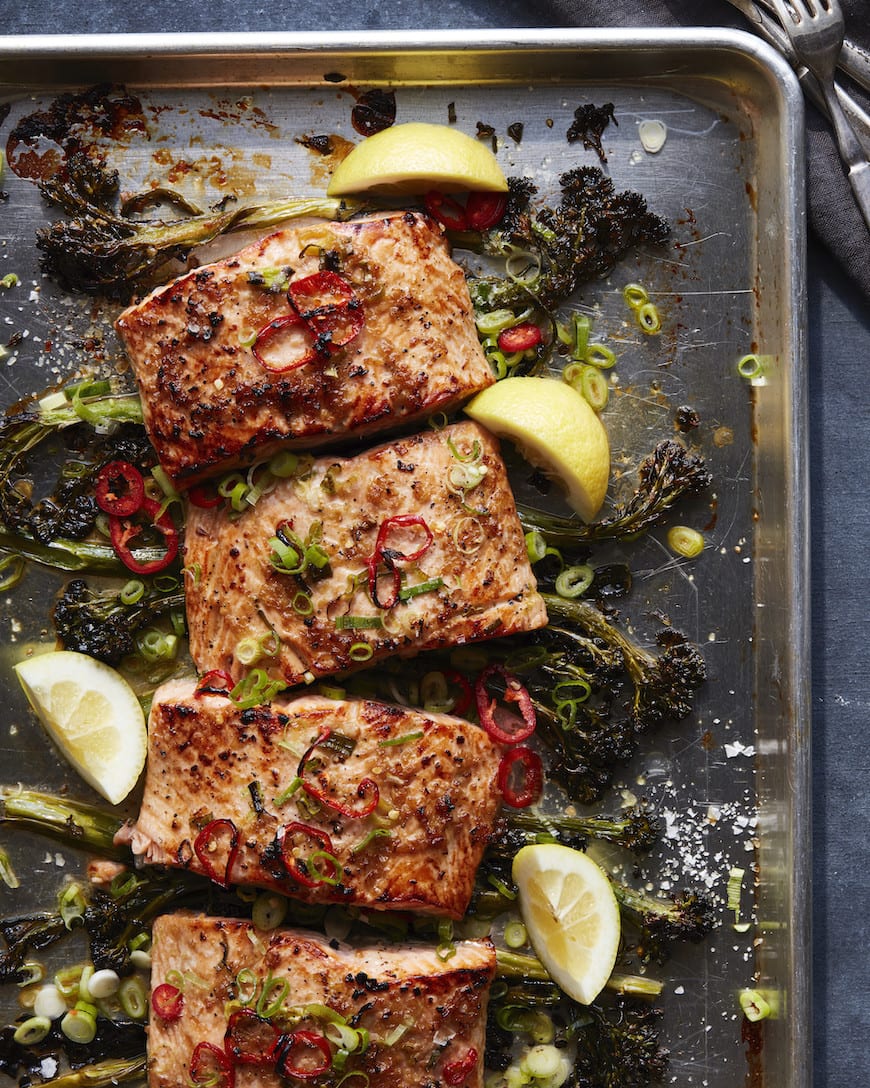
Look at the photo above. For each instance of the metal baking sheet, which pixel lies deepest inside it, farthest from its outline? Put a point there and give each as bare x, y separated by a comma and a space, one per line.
221, 113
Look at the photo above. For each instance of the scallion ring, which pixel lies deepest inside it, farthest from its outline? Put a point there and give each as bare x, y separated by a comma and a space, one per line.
594, 387
649, 319
685, 541
360, 651
18, 565
635, 295
268, 911
574, 581
750, 367
601, 356
32, 1031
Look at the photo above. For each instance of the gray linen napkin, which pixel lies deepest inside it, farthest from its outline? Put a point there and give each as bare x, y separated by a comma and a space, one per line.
833, 214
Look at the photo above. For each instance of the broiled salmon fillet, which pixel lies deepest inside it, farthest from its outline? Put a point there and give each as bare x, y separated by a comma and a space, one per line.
426, 781
402, 346
409, 1017
452, 553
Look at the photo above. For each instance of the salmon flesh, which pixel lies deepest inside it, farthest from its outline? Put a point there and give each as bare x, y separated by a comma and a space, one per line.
471, 581
403, 347
392, 811
263, 1009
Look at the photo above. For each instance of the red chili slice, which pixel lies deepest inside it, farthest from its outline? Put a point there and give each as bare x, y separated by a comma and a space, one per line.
467, 697
119, 489
366, 786
251, 1039
520, 337
122, 531
389, 556
214, 682
531, 782
327, 304
167, 1001
456, 1073
502, 724
307, 351
484, 210
203, 496
302, 1046
291, 863
323, 289
210, 1067
204, 846
445, 210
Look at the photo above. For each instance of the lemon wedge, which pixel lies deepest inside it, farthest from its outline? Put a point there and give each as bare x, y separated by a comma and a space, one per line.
92, 715
415, 157
571, 915
554, 428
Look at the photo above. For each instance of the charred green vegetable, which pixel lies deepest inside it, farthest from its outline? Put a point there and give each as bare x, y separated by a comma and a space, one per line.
71, 822
636, 830
592, 228
102, 624
100, 250
617, 1047
686, 916
669, 474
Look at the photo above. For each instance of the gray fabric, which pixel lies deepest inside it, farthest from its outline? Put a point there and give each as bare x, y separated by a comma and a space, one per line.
833, 213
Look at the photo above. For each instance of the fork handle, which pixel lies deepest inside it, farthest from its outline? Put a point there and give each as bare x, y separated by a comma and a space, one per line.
851, 151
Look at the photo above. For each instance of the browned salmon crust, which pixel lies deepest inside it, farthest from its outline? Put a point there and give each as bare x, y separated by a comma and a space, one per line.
419, 849
210, 405
478, 550
423, 1015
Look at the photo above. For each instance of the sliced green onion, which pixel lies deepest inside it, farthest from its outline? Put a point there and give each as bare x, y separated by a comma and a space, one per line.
269, 911
501, 887
333, 877
648, 318
7, 873
140, 943
284, 464
446, 947
229, 483
750, 367
542, 1061
285, 795
396, 1034
574, 581
581, 326
404, 739
536, 546
515, 935
247, 985
254, 689
272, 996
132, 998
360, 651
166, 485
18, 566
755, 1007
735, 886
30, 973
435, 696
523, 267
593, 385
302, 604
132, 592
67, 979
576, 690
431, 584
330, 691
494, 322
358, 623
685, 541
79, 1026
635, 295
32, 1031
375, 833
84, 984
9, 280
156, 646
600, 356
71, 906
179, 622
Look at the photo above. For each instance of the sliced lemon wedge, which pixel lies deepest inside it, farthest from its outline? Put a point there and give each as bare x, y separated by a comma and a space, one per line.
92, 715
571, 915
555, 429
415, 157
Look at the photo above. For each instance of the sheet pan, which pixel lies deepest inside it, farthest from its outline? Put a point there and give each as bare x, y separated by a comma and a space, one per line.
731, 782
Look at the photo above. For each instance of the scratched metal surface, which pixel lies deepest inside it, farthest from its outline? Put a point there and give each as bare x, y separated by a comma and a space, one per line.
731, 781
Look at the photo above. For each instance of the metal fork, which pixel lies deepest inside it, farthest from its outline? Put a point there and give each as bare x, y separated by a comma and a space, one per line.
816, 29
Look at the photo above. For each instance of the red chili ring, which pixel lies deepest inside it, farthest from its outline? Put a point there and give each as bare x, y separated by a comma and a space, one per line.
445, 210
206, 498
366, 785
484, 210
167, 1001
488, 707
206, 683
313, 1041
456, 1073
121, 501
123, 531
256, 1028
203, 1053
291, 864
520, 337
201, 849
532, 781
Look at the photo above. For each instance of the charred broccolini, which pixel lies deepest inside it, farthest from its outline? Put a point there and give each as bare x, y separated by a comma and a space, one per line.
101, 250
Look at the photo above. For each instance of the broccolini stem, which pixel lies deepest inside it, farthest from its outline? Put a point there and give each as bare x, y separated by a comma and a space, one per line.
596, 625
71, 555
75, 824
635, 985
516, 965
635, 831
109, 1072
7, 873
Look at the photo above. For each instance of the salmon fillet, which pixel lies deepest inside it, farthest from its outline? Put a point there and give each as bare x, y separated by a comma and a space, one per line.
477, 551
433, 776
210, 405
425, 1017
